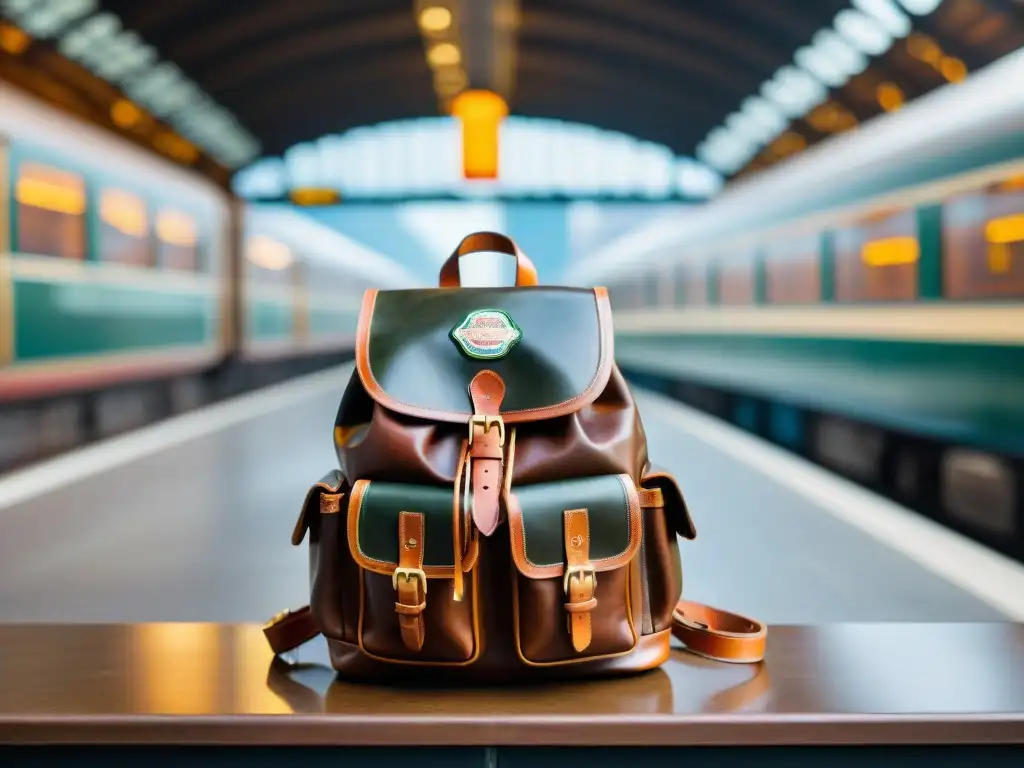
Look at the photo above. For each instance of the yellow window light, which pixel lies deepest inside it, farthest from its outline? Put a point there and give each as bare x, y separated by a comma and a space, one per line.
481, 114
1006, 229
125, 212
176, 228
890, 252
444, 55
435, 19
41, 186
268, 253
1001, 233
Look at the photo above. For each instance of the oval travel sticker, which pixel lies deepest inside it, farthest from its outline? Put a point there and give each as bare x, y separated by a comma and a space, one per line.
486, 334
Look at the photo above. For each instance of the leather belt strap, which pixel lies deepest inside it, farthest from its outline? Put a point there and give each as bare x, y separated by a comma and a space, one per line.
486, 449
409, 580
580, 579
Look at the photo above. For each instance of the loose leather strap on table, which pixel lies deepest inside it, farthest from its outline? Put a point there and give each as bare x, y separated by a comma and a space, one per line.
717, 634
705, 631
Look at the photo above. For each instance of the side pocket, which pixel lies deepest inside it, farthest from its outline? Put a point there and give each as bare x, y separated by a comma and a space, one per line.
666, 516
400, 538
575, 545
332, 608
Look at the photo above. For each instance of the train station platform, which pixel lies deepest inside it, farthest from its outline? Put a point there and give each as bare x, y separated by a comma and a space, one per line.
189, 520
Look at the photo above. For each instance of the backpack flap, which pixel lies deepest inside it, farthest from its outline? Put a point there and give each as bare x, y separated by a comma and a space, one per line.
485, 358
575, 545
418, 350
401, 538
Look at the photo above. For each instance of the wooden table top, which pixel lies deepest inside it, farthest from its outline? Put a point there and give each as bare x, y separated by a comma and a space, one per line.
209, 683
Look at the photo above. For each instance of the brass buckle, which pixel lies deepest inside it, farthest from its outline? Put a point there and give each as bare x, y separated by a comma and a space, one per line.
409, 574
487, 421
582, 572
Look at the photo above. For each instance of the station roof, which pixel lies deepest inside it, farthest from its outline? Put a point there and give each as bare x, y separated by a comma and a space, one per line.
674, 72
662, 70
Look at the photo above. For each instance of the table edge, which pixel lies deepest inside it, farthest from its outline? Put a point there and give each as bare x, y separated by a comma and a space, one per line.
537, 731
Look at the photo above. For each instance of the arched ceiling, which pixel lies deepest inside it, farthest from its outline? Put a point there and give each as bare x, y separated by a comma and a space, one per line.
662, 70
668, 71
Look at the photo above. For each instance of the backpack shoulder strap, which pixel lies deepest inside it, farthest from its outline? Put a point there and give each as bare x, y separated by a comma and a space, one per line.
705, 631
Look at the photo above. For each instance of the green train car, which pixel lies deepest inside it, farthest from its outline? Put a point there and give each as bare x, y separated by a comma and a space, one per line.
862, 305
131, 288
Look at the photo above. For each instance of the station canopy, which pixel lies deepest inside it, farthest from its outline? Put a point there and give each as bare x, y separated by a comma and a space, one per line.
655, 98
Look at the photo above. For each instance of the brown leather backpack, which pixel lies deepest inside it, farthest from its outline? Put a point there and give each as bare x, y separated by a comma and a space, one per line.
495, 512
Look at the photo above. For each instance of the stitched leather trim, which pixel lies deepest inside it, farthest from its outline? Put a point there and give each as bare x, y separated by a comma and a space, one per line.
597, 384
384, 567
531, 570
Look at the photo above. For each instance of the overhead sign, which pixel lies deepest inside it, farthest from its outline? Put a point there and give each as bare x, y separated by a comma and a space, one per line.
481, 114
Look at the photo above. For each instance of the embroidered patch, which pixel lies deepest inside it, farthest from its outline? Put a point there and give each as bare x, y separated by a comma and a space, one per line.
486, 334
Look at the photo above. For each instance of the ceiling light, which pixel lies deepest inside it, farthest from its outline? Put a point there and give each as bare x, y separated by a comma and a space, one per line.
920, 7
849, 59
822, 66
436, 19
887, 13
444, 55
862, 32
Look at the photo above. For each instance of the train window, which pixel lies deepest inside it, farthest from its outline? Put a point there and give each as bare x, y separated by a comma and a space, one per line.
270, 261
177, 240
983, 243
736, 283
124, 229
50, 211
650, 297
793, 271
694, 284
877, 260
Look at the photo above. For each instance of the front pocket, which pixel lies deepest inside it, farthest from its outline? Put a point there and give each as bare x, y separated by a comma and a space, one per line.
401, 538
577, 584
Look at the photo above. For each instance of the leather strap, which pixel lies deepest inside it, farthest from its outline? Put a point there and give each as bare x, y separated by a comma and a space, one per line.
724, 637
487, 242
290, 629
717, 634
486, 450
409, 580
580, 579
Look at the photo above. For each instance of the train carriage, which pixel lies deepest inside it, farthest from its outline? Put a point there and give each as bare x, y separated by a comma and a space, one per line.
132, 288
876, 327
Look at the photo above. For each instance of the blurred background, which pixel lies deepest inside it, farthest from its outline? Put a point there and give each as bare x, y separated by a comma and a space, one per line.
810, 217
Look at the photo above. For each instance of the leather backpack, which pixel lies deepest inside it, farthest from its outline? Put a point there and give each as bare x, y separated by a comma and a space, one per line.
495, 514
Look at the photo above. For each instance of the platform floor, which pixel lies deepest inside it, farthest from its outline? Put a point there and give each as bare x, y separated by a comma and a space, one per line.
196, 527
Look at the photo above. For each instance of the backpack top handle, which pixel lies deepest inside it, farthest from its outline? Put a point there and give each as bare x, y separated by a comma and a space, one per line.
487, 242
